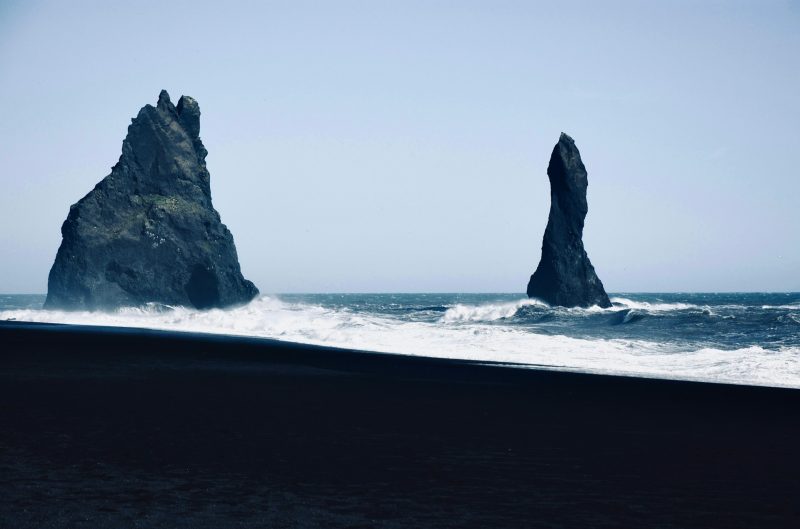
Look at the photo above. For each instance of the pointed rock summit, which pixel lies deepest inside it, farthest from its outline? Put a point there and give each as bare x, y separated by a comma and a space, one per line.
565, 276
148, 232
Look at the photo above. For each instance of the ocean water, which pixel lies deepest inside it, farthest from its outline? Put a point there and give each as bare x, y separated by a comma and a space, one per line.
749, 338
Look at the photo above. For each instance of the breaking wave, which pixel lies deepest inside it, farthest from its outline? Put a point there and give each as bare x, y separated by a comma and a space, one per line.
499, 311
489, 312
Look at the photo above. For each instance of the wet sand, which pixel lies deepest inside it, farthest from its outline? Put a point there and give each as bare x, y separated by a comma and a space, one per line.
131, 428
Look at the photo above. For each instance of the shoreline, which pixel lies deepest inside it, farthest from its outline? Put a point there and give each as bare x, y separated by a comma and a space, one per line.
115, 427
319, 353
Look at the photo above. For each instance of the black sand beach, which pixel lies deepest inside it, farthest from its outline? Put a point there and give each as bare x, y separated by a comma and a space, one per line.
132, 428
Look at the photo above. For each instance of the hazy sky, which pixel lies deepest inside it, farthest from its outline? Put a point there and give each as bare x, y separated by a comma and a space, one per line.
403, 146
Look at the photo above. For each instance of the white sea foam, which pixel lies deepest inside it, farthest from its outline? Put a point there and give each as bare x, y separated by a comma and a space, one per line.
625, 303
466, 333
497, 311
487, 312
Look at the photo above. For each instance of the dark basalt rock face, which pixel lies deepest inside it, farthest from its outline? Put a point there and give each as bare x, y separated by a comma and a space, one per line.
565, 276
148, 231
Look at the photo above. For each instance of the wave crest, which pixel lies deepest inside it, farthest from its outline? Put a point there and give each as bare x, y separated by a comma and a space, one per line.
618, 303
488, 312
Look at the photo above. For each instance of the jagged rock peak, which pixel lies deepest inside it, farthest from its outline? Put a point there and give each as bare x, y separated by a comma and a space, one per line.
148, 232
565, 276
164, 102
189, 115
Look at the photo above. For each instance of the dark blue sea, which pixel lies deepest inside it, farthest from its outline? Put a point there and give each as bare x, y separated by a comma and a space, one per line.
742, 338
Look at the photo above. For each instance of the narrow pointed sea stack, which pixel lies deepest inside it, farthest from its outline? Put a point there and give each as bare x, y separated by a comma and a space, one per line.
565, 276
148, 232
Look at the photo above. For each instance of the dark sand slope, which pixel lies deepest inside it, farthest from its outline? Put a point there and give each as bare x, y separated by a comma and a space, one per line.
131, 428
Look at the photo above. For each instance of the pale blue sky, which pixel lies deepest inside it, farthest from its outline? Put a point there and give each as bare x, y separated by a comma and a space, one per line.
402, 146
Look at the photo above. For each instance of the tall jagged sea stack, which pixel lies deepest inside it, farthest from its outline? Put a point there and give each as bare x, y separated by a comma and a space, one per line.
565, 276
148, 231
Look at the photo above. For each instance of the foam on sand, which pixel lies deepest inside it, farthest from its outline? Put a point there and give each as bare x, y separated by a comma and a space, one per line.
464, 332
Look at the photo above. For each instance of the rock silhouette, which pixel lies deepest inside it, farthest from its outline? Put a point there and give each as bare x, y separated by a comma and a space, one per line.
565, 276
148, 231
